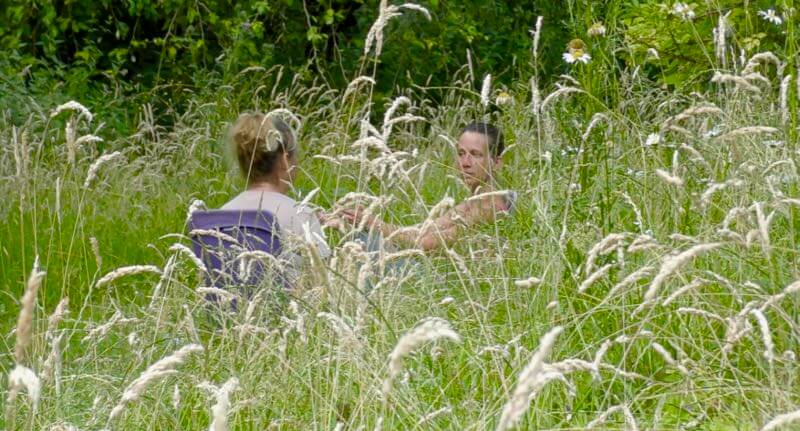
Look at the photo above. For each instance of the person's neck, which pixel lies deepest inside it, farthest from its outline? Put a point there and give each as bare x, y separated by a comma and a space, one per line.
268, 186
486, 187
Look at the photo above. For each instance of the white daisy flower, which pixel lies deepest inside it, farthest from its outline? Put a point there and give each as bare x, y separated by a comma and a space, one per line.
771, 16
597, 30
652, 139
576, 51
683, 11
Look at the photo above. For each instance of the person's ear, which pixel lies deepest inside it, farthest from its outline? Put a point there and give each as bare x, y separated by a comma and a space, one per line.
498, 162
287, 164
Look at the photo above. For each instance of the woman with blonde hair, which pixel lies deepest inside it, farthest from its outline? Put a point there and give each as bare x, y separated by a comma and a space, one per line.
266, 150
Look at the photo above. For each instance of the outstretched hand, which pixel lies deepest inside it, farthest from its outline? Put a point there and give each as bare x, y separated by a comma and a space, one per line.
329, 220
346, 216
356, 215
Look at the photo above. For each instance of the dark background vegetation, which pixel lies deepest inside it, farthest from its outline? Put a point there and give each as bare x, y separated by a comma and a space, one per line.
123, 54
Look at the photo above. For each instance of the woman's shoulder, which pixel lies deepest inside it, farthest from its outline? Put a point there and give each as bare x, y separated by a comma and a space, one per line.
260, 200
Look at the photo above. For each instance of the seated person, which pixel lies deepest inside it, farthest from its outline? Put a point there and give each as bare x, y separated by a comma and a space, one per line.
480, 148
266, 150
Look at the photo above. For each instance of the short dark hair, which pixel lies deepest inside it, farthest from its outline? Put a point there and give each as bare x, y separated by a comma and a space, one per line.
495, 137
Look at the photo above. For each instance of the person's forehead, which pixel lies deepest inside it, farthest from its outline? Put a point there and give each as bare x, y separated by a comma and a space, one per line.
473, 140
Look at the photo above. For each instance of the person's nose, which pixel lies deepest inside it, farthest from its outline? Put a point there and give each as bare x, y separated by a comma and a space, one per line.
466, 161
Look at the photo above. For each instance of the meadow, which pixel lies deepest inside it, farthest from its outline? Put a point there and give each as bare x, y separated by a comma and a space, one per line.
647, 279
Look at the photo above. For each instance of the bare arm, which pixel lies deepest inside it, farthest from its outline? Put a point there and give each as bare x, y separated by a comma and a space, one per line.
442, 231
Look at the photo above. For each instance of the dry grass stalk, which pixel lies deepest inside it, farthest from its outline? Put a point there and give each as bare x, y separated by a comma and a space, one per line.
125, 271
669, 178
21, 152
189, 254
781, 420
591, 279
740, 82
758, 59
98, 259
668, 358
763, 222
73, 106
99, 332
774, 299
62, 309
784, 99
528, 282
720, 46
27, 309
432, 415
599, 420
486, 90
519, 401
598, 358
51, 369
691, 112
563, 91
347, 335
386, 13
91, 175
233, 242
176, 397
353, 85
705, 198
427, 330
630, 279
162, 368
673, 263
701, 313
222, 294
18, 379
196, 205
747, 131
219, 411
766, 335
642, 242
537, 32
680, 291
536, 97
593, 122
605, 246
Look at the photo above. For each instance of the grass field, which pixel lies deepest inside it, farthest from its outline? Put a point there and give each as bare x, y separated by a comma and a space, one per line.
655, 242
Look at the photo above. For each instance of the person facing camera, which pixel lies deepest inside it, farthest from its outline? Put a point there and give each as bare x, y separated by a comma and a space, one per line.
479, 156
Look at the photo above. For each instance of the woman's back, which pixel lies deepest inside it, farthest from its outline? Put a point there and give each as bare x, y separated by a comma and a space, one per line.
290, 215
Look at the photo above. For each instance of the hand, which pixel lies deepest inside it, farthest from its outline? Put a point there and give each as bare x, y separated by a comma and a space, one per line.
358, 215
329, 220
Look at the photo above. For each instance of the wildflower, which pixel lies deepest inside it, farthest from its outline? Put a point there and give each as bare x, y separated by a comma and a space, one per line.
503, 98
597, 30
770, 16
683, 11
653, 139
576, 51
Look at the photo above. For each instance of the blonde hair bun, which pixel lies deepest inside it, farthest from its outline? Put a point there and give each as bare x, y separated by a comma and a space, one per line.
257, 140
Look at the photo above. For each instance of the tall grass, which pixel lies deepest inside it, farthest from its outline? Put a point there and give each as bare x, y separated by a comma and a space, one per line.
675, 300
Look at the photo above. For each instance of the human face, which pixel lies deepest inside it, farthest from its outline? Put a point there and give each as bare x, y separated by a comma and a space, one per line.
475, 162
